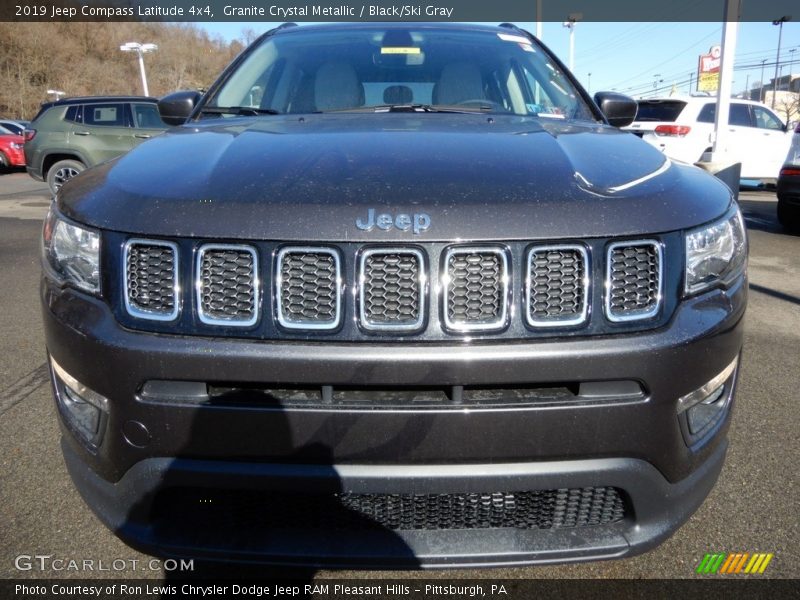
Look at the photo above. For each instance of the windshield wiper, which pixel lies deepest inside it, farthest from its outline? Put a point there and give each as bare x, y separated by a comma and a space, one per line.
239, 110
429, 108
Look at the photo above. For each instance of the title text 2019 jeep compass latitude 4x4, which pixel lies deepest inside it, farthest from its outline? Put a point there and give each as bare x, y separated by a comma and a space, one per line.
394, 295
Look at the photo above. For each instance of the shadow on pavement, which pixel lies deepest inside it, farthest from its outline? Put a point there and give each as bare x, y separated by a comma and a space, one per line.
774, 293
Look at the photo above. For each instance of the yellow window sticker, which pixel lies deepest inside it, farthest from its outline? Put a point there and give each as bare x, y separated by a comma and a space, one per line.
399, 50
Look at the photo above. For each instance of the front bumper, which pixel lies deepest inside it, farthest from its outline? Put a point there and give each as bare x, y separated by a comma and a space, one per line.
636, 446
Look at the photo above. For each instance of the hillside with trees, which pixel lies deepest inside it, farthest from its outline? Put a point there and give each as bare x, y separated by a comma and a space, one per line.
84, 59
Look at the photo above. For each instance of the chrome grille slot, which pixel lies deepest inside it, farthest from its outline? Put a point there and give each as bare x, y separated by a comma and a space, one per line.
309, 288
633, 280
227, 285
475, 288
557, 286
391, 291
151, 279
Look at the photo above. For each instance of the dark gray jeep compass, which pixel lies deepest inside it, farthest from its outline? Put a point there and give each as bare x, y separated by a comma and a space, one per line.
394, 295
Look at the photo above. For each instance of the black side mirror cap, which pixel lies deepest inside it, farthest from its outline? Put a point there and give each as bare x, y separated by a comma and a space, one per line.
620, 110
175, 108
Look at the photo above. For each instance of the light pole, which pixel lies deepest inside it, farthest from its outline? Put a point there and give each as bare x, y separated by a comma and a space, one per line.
691, 79
656, 81
779, 23
140, 50
589, 82
761, 91
570, 24
57, 93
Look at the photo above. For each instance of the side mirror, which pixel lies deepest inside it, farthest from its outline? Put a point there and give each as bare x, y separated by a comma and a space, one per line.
175, 108
620, 110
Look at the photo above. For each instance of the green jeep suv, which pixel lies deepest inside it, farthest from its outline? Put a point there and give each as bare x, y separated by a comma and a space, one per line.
70, 135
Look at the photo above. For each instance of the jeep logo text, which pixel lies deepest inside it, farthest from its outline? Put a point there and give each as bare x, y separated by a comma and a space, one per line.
417, 223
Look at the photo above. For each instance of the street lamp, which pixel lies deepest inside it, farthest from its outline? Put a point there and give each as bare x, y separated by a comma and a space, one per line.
779, 23
140, 50
656, 81
570, 24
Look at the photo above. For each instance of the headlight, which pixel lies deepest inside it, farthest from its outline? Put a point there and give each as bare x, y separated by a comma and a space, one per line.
71, 253
715, 254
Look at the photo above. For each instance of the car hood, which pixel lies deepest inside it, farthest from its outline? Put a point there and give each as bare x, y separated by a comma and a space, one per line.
472, 176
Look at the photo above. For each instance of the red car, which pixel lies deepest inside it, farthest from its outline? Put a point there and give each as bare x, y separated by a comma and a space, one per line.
11, 154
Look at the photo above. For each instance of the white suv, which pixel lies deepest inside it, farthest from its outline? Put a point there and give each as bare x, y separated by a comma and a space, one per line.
681, 128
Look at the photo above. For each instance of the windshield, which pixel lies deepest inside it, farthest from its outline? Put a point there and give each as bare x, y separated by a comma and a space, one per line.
373, 69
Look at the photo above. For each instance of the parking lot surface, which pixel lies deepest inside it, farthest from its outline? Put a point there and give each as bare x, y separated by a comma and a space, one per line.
753, 508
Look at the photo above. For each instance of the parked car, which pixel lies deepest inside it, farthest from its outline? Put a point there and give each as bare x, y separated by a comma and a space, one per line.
789, 197
71, 134
681, 128
11, 152
15, 127
394, 294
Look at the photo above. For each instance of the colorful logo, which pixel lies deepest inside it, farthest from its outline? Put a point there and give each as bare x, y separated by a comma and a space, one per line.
740, 563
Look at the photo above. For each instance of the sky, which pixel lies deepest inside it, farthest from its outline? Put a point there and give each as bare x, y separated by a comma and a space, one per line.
631, 57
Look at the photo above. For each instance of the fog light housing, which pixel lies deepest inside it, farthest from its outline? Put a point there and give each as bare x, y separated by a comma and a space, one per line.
84, 409
703, 407
706, 411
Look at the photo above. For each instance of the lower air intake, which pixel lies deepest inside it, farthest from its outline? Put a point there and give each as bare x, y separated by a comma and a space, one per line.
542, 509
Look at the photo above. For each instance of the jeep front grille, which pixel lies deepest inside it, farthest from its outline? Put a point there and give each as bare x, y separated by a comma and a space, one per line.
475, 288
633, 280
151, 279
557, 286
391, 289
309, 284
355, 291
227, 285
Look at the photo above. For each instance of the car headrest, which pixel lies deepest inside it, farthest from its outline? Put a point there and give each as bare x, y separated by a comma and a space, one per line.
336, 86
398, 94
458, 82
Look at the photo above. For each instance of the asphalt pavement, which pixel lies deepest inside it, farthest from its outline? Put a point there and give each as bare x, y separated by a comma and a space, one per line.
753, 508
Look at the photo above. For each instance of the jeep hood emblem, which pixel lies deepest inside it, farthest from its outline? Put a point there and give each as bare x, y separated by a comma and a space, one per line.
417, 223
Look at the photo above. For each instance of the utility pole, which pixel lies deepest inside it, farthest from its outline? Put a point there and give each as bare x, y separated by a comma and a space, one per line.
730, 31
691, 76
539, 23
779, 23
570, 24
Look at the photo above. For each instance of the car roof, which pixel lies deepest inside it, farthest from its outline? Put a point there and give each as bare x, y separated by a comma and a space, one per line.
294, 27
91, 99
697, 99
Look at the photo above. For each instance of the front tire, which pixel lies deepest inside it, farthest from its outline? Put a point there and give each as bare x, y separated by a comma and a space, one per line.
61, 172
4, 162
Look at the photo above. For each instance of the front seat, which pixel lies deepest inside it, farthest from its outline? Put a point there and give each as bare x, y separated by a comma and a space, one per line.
336, 86
458, 82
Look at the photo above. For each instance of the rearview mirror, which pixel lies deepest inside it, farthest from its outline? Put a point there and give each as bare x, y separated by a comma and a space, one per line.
175, 108
620, 110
